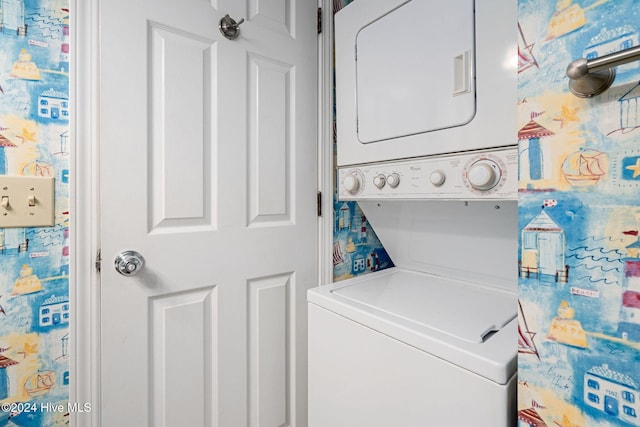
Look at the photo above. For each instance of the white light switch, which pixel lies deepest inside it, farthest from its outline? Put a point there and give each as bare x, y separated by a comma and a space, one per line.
26, 201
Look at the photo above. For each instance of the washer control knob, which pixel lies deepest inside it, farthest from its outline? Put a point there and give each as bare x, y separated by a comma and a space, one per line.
437, 178
393, 180
484, 174
379, 181
351, 183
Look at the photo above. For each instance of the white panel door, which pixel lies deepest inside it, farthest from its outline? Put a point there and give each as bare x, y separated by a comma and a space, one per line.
208, 169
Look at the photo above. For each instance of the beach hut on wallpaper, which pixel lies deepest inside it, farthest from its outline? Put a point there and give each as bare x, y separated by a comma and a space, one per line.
531, 155
530, 418
12, 15
612, 393
542, 249
630, 109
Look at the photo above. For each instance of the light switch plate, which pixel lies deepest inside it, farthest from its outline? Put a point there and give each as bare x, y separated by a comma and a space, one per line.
16, 193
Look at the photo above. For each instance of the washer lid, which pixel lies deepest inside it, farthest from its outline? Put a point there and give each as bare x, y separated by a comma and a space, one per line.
469, 312
447, 318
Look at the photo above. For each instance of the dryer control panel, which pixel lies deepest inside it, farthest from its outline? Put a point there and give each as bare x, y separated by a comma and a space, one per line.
483, 175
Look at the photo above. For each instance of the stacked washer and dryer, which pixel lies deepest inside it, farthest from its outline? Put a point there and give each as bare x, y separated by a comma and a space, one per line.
426, 126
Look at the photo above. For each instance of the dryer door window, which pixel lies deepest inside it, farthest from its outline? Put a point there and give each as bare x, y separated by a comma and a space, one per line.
415, 70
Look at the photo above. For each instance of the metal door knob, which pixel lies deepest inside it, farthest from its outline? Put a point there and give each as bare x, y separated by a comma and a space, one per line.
129, 263
229, 27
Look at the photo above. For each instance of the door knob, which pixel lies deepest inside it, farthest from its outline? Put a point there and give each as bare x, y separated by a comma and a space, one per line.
229, 27
129, 263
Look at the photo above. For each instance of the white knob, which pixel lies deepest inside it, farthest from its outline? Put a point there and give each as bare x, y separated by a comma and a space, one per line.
437, 178
393, 180
484, 175
379, 181
351, 183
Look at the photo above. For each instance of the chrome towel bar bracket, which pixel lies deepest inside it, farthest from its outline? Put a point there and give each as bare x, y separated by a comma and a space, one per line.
591, 77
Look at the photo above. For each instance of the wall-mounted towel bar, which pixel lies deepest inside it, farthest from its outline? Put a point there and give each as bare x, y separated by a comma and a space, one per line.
591, 77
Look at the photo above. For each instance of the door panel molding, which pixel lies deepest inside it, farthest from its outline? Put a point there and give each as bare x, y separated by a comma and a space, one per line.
276, 14
270, 84
188, 318
270, 368
179, 67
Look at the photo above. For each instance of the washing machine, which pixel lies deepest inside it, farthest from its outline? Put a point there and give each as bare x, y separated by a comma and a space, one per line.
431, 341
426, 135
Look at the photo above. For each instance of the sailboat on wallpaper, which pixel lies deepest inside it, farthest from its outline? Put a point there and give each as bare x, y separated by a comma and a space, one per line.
526, 345
583, 168
526, 59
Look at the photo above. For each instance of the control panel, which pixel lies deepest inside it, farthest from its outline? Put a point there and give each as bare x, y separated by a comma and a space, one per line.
473, 175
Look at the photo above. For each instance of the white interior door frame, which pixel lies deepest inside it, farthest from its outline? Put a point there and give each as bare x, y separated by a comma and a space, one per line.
84, 290
325, 142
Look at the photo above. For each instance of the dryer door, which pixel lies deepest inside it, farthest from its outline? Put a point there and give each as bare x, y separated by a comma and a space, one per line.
420, 78
414, 70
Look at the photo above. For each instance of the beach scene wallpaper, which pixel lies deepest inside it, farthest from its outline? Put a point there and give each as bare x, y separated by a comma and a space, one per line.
34, 261
579, 219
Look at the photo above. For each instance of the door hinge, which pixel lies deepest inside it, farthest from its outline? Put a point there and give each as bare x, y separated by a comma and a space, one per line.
99, 260
319, 22
319, 201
